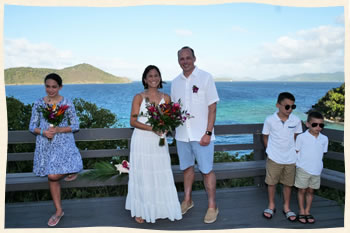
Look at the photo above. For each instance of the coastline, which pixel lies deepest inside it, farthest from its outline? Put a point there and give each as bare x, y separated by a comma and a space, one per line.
334, 122
28, 84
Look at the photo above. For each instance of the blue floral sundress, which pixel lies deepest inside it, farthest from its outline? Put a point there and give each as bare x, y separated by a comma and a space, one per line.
60, 155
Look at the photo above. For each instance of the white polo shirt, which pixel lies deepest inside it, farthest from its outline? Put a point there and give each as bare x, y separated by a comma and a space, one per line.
310, 152
196, 103
281, 143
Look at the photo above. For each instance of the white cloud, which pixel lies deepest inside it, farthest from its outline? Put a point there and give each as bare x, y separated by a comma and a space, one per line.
183, 32
316, 50
319, 49
21, 52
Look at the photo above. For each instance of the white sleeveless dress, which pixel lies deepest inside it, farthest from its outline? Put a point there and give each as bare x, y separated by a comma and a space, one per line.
151, 189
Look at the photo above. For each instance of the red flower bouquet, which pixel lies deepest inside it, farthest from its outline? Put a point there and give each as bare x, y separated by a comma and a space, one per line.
54, 113
165, 117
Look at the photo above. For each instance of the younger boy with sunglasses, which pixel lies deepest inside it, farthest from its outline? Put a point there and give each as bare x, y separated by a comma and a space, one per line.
310, 147
279, 133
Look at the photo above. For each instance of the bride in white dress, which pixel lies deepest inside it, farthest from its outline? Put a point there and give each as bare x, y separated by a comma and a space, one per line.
151, 189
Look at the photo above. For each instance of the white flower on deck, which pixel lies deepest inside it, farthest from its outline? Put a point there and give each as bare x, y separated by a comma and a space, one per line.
123, 167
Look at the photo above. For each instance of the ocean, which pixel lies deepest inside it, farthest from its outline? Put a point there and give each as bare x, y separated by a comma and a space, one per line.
240, 102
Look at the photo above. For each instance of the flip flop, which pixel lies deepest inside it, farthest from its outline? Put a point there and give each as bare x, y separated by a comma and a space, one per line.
290, 214
302, 216
309, 216
269, 211
71, 177
54, 220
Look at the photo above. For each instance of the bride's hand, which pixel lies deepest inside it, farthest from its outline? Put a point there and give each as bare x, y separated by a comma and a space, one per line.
159, 133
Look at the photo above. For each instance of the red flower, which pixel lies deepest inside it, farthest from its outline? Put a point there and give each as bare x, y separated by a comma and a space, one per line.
125, 164
195, 89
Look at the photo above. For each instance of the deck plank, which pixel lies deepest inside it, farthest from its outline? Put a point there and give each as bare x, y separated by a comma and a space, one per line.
239, 208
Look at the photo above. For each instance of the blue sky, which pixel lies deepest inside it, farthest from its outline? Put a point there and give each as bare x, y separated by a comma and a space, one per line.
234, 40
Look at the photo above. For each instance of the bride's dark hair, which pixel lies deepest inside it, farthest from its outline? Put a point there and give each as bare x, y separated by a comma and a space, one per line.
144, 75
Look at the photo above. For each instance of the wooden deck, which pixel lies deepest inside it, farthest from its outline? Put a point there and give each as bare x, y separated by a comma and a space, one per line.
239, 208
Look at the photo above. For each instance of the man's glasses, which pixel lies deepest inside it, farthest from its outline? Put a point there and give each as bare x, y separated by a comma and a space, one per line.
287, 107
313, 125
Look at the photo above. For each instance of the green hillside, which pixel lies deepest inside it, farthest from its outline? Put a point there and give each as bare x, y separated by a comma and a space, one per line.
317, 77
79, 74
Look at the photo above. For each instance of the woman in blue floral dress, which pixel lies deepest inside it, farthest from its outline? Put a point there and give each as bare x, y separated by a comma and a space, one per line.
56, 154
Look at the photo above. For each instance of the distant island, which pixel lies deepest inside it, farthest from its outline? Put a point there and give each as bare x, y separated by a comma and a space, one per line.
79, 74
305, 77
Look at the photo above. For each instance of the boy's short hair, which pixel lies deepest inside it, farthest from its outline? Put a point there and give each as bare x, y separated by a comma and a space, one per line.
314, 114
285, 95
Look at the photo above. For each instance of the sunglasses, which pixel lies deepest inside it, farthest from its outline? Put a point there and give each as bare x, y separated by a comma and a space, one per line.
287, 107
313, 125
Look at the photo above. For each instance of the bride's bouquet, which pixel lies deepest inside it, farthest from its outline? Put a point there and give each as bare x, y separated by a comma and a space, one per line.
165, 117
104, 170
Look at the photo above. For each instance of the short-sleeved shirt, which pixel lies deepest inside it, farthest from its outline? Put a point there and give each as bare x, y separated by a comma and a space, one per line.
196, 93
310, 152
281, 142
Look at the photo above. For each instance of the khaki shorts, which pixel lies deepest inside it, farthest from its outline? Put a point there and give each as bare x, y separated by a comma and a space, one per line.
305, 180
279, 173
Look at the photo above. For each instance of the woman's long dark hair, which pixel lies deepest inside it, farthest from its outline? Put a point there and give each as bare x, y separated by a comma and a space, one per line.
144, 75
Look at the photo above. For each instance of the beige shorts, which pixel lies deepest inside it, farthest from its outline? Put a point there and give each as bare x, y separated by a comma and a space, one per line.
305, 180
279, 173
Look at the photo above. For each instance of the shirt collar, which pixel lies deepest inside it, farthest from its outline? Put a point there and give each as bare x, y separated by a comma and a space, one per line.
278, 118
192, 75
310, 135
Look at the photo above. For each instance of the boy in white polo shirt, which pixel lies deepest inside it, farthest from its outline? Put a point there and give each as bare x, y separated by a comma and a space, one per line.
310, 147
279, 133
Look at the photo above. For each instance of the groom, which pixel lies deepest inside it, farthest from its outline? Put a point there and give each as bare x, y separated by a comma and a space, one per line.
195, 139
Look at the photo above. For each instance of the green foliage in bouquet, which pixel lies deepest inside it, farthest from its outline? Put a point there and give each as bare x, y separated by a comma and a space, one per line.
104, 170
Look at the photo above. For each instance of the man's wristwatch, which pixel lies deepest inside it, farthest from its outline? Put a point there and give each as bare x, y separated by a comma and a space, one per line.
208, 133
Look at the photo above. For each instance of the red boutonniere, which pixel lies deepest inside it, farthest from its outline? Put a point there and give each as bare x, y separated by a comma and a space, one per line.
195, 89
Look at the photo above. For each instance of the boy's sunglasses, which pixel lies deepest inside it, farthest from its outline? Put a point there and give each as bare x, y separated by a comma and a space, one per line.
287, 107
313, 125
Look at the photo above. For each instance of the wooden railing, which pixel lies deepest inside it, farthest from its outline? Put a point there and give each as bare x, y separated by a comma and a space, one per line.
227, 170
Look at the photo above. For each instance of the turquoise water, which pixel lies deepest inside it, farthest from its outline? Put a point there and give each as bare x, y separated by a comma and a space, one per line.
240, 102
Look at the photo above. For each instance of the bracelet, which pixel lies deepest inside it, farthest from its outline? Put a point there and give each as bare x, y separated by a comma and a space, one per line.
41, 132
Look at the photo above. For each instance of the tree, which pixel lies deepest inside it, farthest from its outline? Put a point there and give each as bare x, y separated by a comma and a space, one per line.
91, 116
332, 105
18, 114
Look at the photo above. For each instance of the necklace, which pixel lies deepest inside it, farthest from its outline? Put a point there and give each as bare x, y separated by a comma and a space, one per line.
49, 100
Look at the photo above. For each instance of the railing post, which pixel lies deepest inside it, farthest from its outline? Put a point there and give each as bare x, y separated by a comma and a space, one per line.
259, 154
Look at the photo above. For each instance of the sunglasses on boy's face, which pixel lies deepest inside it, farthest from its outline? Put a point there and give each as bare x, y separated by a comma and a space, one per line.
313, 125
287, 107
